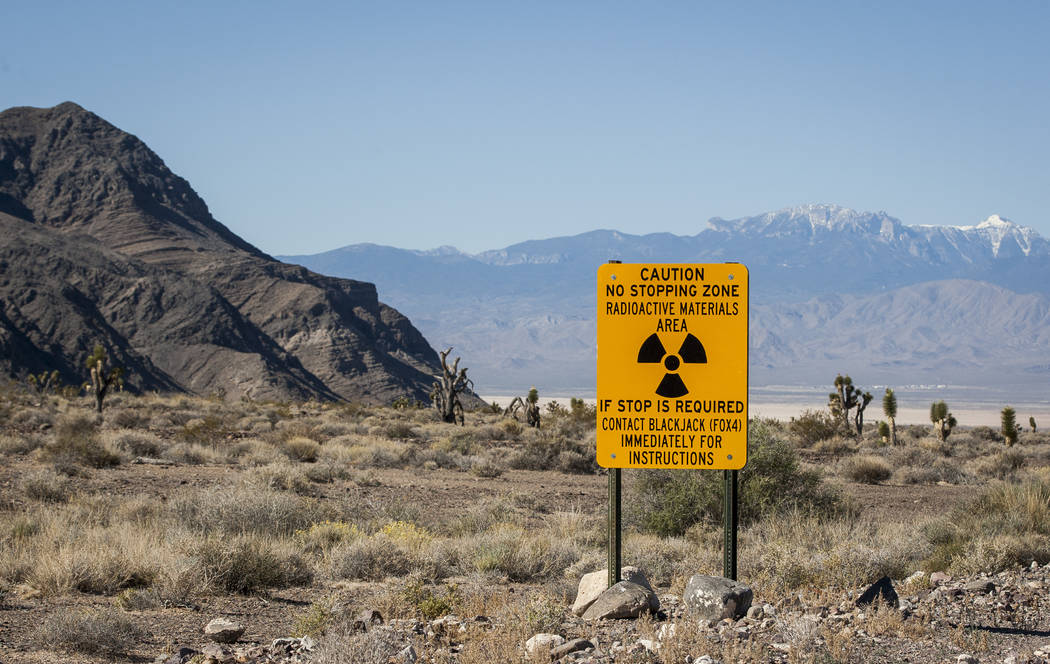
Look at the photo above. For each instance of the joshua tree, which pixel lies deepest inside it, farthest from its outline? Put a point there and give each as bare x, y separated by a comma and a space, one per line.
42, 383
846, 398
445, 392
101, 378
1031, 423
943, 421
1009, 421
884, 432
889, 408
530, 406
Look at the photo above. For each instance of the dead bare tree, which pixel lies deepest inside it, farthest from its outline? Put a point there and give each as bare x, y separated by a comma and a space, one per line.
529, 405
445, 392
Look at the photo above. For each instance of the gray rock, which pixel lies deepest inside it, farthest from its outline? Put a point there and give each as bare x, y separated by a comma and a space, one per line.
180, 656
408, 655
937, 578
594, 584
881, 590
538, 642
366, 620
715, 597
575, 645
980, 586
624, 600
223, 630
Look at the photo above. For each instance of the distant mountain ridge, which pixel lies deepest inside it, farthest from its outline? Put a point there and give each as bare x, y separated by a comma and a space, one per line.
524, 314
101, 243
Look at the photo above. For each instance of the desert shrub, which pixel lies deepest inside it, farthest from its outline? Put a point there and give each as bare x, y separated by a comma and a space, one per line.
209, 430
301, 449
347, 646
1001, 465
369, 559
802, 551
245, 564
92, 632
460, 441
29, 419
867, 469
486, 467
941, 447
246, 510
938, 470
46, 485
397, 430
76, 441
135, 443
139, 599
426, 602
509, 550
668, 502
321, 538
280, 477
987, 433
192, 454
482, 515
663, 558
1007, 525
367, 452
126, 418
835, 446
511, 428
19, 444
813, 426
315, 621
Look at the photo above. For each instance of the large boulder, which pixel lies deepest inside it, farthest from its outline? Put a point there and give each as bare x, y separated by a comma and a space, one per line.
624, 600
715, 597
594, 584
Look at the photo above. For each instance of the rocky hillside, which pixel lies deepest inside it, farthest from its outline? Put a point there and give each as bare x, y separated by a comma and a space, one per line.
101, 243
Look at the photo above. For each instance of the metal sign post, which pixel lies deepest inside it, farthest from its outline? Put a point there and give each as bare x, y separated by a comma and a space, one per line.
729, 525
672, 378
615, 523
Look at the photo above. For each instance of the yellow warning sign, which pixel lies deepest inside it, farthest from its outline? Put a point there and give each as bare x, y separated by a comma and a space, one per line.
672, 365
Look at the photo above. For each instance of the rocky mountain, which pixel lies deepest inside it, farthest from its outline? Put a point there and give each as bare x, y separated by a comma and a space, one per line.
101, 243
832, 290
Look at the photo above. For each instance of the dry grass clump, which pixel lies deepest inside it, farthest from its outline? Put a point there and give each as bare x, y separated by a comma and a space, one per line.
835, 446
802, 551
1003, 464
346, 646
511, 551
78, 548
248, 563
866, 469
246, 510
301, 448
92, 632
813, 426
134, 443
19, 444
46, 486
280, 476
192, 454
1007, 525
76, 442
369, 558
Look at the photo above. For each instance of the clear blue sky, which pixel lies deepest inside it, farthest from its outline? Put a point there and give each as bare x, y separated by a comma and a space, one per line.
308, 126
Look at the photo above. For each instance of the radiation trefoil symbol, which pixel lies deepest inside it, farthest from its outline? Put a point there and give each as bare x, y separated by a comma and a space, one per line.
691, 352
